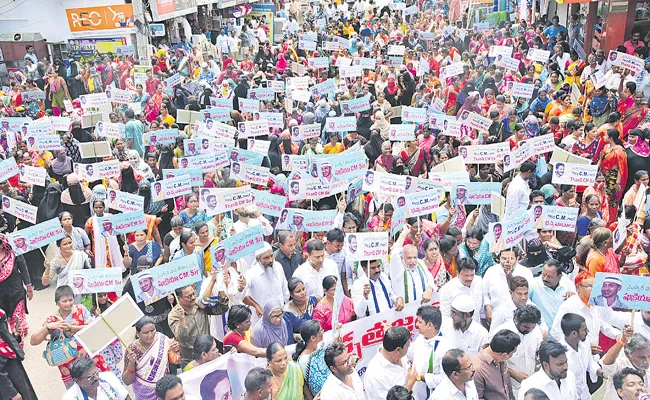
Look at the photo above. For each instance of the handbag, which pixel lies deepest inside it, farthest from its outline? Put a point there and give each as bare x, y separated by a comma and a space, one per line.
60, 350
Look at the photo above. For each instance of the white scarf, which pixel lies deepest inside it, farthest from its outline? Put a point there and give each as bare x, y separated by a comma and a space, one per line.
100, 249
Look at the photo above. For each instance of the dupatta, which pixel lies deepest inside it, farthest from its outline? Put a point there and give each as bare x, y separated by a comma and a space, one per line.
152, 366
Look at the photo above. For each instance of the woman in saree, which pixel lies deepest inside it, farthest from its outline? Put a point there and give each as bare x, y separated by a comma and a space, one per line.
601, 105
14, 278
432, 261
106, 70
564, 108
68, 319
632, 112
325, 307
574, 69
191, 215
385, 160
287, 380
414, 159
57, 93
140, 96
638, 153
310, 356
299, 304
141, 247
80, 240
632, 253
205, 241
601, 257
147, 359
614, 166
599, 189
66, 260
474, 246
488, 101
591, 206
589, 146
105, 249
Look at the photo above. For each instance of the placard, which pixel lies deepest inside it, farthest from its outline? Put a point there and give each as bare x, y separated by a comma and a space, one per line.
366, 246
328, 86
96, 280
452, 70
157, 283
355, 105
249, 105
483, 154
8, 169
18, 209
305, 131
170, 188
36, 236
628, 292
61, 123
163, 136
195, 175
33, 95
538, 55
97, 171
516, 157
124, 202
341, 124
218, 200
574, 174
384, 183
508, 232
555, 218
402, 132
237, 246
253, 128
267, 203
318, 62
524, 90
93, 100
118, 96
110, 130
33, 175
413, 114
473, 192
123, 223
305, 220
421, 203
365, 63
447, 179
249, 173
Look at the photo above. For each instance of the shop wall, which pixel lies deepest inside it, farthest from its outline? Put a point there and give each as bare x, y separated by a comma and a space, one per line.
45, 16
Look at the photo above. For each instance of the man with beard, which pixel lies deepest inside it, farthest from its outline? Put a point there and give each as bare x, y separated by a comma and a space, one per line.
636, 355
461, 330
579, 355
410, 280
629, 384
554, 377
265, 280
549, 290
459, 370
522, 363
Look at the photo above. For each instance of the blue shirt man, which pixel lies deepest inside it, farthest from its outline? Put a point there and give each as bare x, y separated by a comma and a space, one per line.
134, 131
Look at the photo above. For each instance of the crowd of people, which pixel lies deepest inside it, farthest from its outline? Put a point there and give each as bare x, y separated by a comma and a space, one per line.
509, 323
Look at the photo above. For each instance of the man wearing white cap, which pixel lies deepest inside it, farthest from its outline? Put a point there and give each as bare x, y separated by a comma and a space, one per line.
461, 192
609, 293
265, 280
461, 331
149, 292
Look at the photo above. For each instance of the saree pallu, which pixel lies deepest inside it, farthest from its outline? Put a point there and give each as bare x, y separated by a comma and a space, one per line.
292, 384
414, 162
152, 366
632, 117
613, 165
317, 371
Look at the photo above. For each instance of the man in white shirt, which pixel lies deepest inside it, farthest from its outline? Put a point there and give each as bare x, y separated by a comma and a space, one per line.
389, 367
598, 319
466, 282
427, 350
518, 298
248, 217
549, 290
554, 377
222, 42
343, 383
458, 383
316, 268
410, 280
265, 280
579, 355
373, 293
642, 323
89, 382
495, 280
636, 355
461, 331
518, 191
522, 363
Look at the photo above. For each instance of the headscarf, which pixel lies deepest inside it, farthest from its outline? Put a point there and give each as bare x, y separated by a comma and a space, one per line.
641, 147
166, 160
469, 105
282, 63
138, 165
373, 147
72, 148
382, 125
50, 205
488, 83
150, 207
76, 193
129, 183
62, 164
80, 134
322, 110
531, 123
264, 332
274, 152
7, 262
486, 217
99, 194
391, 87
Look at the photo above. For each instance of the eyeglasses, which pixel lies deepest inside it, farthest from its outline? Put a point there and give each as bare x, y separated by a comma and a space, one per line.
91, 377
276, 316
190, 296
471, 366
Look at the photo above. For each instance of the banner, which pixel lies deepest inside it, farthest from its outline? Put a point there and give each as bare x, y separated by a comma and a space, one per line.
421, 203
245, 156
18, 209
415, 185
123, 223
96, 280
253, 128
474, 192
540, 144
524, 90
238, 246
555, 218
517, 157
629, 292
365, 63
259, 146
307, 189
274, 119
157, 283
384, 183
172, 81
61, 124
93, 100
36, 236
111, 20
318, 62
249, 105
305, 220
483, 154
413, 114
261, 93
500, 50
8, 168
222, 378
33, 175
170, 188
345, 166
267, 203
478, 122
249, 173
323, 88
509, 232
452, 70
366, 246
163, 136
111, 130
218, 200
538, 55
402, 132
574, 174
97, 171
124, 202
